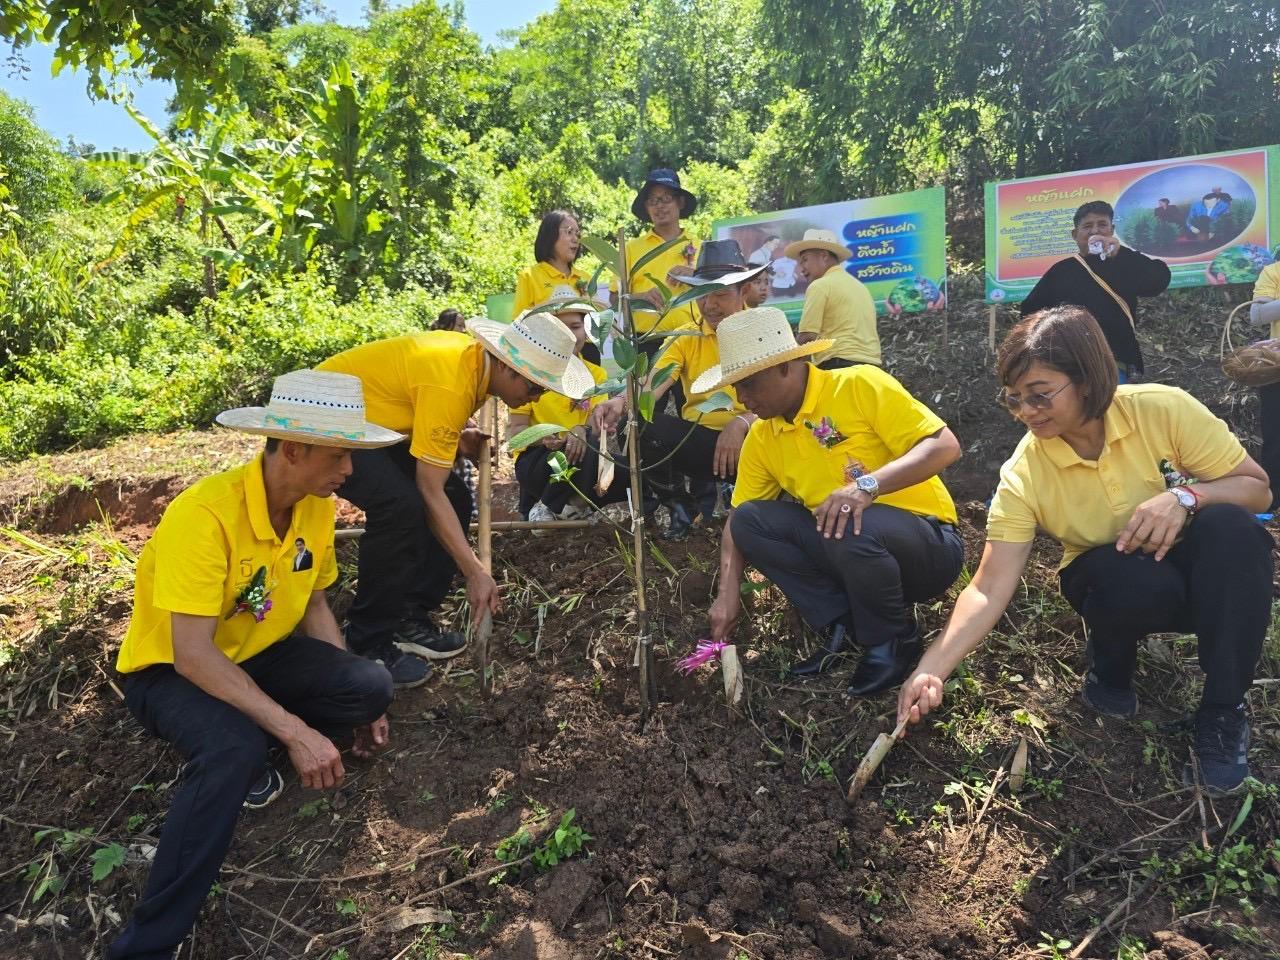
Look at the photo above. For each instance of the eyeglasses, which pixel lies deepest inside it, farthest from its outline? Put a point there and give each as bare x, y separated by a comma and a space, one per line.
661, 199
1036, 401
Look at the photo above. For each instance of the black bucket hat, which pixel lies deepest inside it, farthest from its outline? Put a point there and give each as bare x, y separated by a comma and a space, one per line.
721, 261
666, 178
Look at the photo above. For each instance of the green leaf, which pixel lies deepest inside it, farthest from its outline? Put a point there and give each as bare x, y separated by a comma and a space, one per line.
594, 283
662, 375
607, 256
624, 353
1245, 807
642, 365
646, 405
693, 293
609, 387
661, 558
105, 860
717, 401
531, 435
655, 252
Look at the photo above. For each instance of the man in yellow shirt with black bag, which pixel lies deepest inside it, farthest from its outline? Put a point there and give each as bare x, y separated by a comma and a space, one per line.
866, 527
232, 645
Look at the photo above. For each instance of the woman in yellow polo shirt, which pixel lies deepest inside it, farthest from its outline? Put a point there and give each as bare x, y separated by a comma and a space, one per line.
1152, 498
1265, 312
540, 499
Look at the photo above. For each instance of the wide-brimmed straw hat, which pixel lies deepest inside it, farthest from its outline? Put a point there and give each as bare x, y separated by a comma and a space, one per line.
721, 261
537, 346
565, 299
313, 406
818, 240
667, 178
751, 340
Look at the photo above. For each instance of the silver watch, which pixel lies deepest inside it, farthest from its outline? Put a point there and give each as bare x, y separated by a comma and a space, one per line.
868, 485
1186, 498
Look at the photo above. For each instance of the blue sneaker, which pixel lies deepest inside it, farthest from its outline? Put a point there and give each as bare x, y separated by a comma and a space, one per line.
268, 786
1111, 701
1222, 749
407, 671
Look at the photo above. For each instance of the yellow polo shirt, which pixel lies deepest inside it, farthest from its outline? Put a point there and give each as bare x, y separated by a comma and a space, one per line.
535, 284
682, 254
424, 384
1268, 285
838, 306
207, 547
558, 409
693, 356
1151, 430
866, 419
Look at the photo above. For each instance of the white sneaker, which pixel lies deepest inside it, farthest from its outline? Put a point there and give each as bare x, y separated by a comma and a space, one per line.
540, 513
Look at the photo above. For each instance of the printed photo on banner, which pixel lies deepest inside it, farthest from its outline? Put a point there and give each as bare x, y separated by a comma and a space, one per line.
1214, 219
898, 247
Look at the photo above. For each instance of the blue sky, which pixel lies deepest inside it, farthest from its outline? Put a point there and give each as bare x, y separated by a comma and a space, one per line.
63, 107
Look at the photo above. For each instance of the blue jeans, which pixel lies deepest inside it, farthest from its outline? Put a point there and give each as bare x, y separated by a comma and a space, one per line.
331, 690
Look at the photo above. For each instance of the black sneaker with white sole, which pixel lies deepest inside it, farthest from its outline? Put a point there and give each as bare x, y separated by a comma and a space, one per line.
407, 671
264, 791
424, 639
1222, 749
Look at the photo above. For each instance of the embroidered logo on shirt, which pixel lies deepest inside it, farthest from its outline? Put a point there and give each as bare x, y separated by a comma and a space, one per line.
853, 469
825, 432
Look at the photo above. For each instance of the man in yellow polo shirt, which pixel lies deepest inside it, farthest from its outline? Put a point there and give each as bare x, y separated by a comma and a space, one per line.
416, 509
232, 644
696, 447
866, 528
837, 305
663, 203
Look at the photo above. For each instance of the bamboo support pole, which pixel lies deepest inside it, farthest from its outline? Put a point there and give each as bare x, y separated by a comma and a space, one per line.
484, 535
645, 639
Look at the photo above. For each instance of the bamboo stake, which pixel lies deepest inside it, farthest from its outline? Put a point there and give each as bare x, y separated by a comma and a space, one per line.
871, 762
484, 539
644, 640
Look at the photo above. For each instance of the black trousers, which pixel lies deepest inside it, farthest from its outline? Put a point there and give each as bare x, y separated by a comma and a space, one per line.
332, 690
403, 571
694, 457
900, 558
838, 363
1216, 583
534, 475
1269, 415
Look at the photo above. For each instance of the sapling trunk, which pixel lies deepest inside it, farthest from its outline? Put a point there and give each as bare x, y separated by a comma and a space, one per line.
648, 689
484, 540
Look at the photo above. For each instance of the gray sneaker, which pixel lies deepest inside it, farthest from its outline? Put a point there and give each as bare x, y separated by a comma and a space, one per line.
1222, 749
422, 638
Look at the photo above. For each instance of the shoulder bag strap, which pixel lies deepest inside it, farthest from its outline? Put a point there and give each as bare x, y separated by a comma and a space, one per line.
1107, 287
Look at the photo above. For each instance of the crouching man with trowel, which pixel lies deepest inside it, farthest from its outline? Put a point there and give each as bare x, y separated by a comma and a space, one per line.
838, 499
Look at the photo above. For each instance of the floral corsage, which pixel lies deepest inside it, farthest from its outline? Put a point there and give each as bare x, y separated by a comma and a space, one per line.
825, 432
255, 598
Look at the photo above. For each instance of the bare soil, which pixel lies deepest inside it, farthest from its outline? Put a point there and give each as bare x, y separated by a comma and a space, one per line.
714, 833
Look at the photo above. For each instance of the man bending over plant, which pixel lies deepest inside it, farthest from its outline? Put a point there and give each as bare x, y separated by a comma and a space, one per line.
838, 499
232, 645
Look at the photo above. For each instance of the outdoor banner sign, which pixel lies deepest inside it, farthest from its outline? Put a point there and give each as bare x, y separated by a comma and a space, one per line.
1213, 218
899, 246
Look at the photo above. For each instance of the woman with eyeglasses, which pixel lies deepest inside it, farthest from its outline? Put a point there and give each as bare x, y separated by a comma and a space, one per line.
1152, 499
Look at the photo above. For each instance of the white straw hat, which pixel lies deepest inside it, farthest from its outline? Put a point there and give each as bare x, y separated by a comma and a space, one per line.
818, 240
313, 406
752, 340
565, 299
537, 346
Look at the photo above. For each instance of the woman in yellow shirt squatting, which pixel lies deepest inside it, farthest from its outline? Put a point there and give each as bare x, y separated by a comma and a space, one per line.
1152, 499
697, 447
232, 644
540, 497
838, 499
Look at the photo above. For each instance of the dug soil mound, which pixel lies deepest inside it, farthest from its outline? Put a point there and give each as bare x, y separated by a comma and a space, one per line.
706, 833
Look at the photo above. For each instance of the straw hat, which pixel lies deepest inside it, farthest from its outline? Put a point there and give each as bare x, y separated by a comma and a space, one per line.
721, 261
818, 240
565, 299
537, 346
752, 340
313, 406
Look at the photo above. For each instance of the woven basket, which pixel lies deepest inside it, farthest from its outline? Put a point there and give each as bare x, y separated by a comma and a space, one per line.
1253, 365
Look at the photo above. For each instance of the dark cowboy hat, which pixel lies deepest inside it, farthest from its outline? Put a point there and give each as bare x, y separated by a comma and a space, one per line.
721, 261
665, 178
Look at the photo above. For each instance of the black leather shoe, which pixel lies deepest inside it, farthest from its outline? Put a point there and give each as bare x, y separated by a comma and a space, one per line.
835, 639
883, 667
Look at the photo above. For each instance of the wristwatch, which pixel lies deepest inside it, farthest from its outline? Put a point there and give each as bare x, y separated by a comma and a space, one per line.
869, 485
1186, 498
